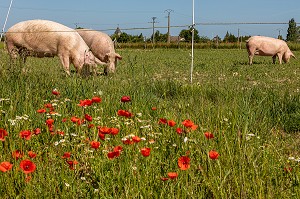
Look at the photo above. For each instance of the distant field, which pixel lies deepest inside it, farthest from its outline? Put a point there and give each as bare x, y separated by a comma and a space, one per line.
252, 111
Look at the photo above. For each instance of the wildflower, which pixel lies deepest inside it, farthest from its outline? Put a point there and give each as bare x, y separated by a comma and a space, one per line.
172, 175
213, 155
31, 154
96, 99
5, 166
288, 169
27, 166
179, 131
101, 136
153, 108
125, 99
136, 139
114, 131
171, 123
3, 133
115, 153
189, 124
55, 92
36, 131
49, 121
127, 140
162, 121
124, 113
41, 111
184, 162
72, 163
145, 151
104, 130
85, 103
17, 154
66, 155
95, 144
209, 135
26, 134
88, 117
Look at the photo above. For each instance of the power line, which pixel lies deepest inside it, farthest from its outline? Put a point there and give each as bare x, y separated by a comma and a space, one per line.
169, 36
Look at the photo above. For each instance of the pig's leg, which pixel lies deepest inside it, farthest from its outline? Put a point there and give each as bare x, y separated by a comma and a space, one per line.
274, 59
66, 63
279, 58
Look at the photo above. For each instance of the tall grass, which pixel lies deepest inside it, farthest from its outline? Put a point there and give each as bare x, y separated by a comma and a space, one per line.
253, 112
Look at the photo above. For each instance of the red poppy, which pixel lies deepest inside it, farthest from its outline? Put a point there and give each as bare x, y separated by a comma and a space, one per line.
36, 131
209, 135
184, 162
124, 113
118, 148
111, 155
213, 155
101, 136
127, 141
31, 154
55, 92
172, 175
145, 151
162, 121
64, 120
88, 117
136, 139
95, 144
85, 103
41, 111
66, 155
17, 154
179, 131
288, 169
27, 166
96, 99
91, 126
171, 123
125, 99
3, 133
76, 120
5, 166
72, 163
49, 121
49, 105
104, 130
26, 134
153, 108
189, 124
114, 131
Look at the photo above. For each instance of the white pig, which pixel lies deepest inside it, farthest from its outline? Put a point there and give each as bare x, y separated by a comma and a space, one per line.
102, 47
43, 38
267, 46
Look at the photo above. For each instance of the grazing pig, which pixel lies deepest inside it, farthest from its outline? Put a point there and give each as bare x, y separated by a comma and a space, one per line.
102, 47
267, 46
43, 38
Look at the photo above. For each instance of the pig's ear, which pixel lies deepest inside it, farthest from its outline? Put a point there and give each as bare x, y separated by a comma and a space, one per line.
98, 61
118, 56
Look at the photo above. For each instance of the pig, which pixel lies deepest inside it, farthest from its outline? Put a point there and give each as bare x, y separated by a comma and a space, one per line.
44, 38
102, 47
267, 46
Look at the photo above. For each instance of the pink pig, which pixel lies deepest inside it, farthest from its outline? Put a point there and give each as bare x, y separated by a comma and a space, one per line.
267, 46
43, 38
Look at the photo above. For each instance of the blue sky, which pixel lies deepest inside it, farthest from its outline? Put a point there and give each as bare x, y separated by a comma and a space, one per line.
131, 14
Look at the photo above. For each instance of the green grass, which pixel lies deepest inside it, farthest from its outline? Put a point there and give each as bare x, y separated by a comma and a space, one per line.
253, 112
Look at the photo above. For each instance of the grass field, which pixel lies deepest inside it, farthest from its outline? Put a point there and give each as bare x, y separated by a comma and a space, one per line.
253, 113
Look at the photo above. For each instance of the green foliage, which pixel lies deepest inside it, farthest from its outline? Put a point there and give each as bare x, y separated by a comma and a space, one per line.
292, 34
253, 112
187, 35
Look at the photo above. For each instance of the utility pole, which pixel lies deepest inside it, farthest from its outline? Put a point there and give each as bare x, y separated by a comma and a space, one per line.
169, 35
153, 33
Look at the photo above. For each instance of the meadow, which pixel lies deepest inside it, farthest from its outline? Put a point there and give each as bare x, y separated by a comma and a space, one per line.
147, 132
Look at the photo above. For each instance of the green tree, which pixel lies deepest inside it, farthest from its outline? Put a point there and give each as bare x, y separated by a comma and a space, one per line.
292, 33
187, 35
230, 38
